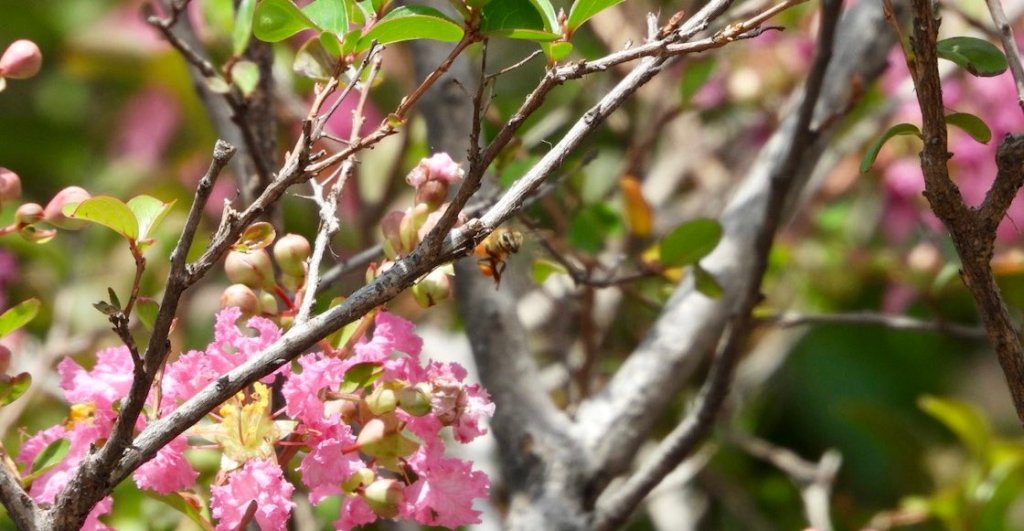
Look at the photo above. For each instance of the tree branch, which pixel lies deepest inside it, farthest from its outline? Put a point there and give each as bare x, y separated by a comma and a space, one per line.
973, 230
617, 420
614, 508
1010, 48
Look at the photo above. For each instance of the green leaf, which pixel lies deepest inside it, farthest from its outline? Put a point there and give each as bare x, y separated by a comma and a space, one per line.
582, 10
217, 85
257, 236
706, 283
591, 226
329, 15
50, 457
314, 61
695, 75
412, 22
185, 503
690, 242
517, 19
276, 20
971, 125
963, 419
872, 153
245, 75
979, 57
147, 309
149, 212
360, 376
242, 31
18, 316
107, 211
556, 51
542, 268
331, 44
14, 387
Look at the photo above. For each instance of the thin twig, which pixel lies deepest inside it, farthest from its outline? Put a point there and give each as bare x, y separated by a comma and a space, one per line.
1010, 48
896, 322
615, 507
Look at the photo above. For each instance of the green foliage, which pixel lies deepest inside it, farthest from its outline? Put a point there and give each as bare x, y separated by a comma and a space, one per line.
519, 19
50, 457
695, 76
276, 20
242, 30
872, 152
582, 10
134, 220
255, 237
979, 57
361, 376
18, 316
329, 15
12, 388
543, 268
412, 22
971, 125
689, 242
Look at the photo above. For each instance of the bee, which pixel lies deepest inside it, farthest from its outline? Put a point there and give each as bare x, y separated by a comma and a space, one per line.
494, 250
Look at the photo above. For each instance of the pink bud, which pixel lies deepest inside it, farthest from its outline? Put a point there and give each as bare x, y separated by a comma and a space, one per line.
10, 185
28, 214
252, 269
54, 212
442, 168
22, 60
432, 193
241, 297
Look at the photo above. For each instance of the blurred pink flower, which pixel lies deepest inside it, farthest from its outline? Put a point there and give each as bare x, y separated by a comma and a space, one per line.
327, 464
107, 382
259, 481
147, 124
354, 513
340, 123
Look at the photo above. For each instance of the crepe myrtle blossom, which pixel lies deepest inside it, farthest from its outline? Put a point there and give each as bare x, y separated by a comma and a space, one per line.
369, 427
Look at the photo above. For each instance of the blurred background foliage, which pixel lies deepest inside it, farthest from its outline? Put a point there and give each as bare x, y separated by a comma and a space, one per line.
114, 111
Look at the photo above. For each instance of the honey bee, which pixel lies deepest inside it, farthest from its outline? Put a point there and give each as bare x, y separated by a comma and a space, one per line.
494, 250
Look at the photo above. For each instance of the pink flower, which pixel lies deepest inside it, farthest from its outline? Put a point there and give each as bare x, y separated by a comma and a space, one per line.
301, 391
458, 405
439, 167
84, 433
92, 522
168, 471
259, 481
354, 512
184, 377
108, 381
392, 333
327, 465
443, 495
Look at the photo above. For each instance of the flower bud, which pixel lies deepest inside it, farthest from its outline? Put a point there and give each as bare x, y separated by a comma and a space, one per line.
36, 233
432, 193
28, 214
442, 168
384, 497
241, 297
415, 400
21, 60
291, 253
448, 400
374, 430
432, 289
391, 226
410, 226
360, 478
382, 400
252, 269
5, 359
268, 303
10, 186
54, 211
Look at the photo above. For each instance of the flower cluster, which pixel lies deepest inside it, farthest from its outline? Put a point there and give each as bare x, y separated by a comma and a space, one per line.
403, 229
368, 427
